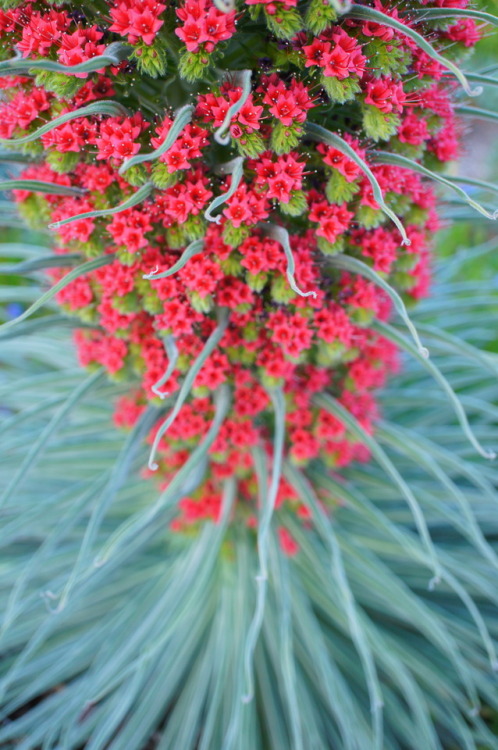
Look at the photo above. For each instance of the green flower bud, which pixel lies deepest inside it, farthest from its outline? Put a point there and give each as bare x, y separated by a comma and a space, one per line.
403, 280
297, 204
387, 58
378, 125
124, 256
201, 304
285, 23
128, 303
161, 177
62, 162
285, 138
150, 59
368, 217
361, 316
235, 236
231, 265
329, 354
319, 16
281, 291
256, 282
192, 65
330, 248
338, 189
136, 175
406, 262
341, 91
250, 145
60, 84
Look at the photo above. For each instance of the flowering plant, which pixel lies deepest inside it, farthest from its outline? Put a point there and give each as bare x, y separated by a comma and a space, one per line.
245, 195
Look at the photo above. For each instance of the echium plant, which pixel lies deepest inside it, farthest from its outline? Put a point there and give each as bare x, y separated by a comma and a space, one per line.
242, 199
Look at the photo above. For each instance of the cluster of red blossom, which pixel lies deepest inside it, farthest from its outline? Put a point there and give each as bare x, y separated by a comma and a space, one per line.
275, 337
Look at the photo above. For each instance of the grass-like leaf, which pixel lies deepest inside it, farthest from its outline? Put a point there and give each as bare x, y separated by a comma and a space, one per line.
113, 55
37, 186
383, 157
365, 13
114, 109
332, 139
208, 348
138, 197
90, 265
236, 169
182, 118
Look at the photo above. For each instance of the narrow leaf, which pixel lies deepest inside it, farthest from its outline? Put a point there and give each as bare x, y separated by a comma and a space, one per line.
348, 263
37, 186
338, 410
236, 169
437, 13
91, 265
194, 248
47, 261
114, 109
390, 333
266, 514
113, 55
383, 157
188, 382
173, 354
234, 109
370, 14
182, 118
479, 114
138, 197
332, 139
281, 235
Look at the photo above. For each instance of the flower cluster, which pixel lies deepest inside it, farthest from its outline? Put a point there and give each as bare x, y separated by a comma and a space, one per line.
244, 215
